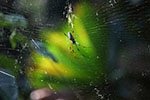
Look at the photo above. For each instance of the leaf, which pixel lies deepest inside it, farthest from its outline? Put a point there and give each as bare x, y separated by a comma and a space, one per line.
80, 70
12, 20
8, 86
16, 38
9, 64
42, 50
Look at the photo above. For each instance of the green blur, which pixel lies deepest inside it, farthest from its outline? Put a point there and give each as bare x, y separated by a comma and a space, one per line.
84, 70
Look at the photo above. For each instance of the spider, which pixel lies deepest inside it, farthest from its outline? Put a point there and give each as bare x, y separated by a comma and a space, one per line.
73, 42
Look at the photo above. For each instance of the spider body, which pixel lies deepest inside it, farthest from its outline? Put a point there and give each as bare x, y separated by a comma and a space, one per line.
73, 42
70, 36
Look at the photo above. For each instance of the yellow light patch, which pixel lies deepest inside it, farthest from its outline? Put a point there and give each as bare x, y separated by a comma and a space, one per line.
52, 68
83, 36
57, 39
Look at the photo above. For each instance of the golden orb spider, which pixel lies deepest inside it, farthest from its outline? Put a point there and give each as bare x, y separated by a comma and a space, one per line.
73, 42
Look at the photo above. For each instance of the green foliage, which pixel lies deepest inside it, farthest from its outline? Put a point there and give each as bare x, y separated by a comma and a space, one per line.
81, 71
16, 38
10, 64
13, 22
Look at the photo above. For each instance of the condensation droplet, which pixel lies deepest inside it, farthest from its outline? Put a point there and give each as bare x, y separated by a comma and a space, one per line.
96, 13
97, 57
98, 94
46, 73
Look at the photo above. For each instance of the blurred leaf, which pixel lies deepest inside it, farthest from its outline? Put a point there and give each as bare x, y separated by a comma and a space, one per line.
80, 71
16, 38
42, 50
10, 64
12, 20
11, 38
8, 87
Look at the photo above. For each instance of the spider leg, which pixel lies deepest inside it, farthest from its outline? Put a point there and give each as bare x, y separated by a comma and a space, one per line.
77, 36
73, 31
82, 45
66, 35
72, 49
79, 50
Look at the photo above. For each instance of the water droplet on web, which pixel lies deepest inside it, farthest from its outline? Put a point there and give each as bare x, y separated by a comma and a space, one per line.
31, 69
98, 94
97, 57
46, 73
16, 61
74, 79
15, 67
96, 13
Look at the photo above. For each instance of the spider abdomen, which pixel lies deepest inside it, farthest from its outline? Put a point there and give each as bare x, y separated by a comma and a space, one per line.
71, 38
